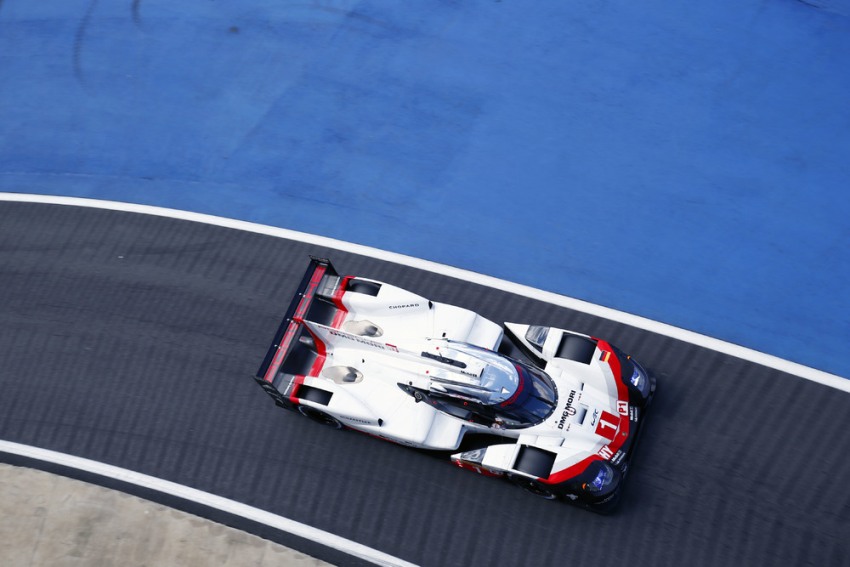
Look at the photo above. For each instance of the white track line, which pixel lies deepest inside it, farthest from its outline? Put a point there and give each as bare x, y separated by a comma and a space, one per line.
724, 347
231, 506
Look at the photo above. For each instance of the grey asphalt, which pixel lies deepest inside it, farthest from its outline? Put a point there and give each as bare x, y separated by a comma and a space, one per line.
132, 340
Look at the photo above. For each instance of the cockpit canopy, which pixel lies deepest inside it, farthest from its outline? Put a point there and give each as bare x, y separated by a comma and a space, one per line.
497, 391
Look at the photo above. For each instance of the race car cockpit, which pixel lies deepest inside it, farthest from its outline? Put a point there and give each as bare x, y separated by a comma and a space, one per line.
507, 393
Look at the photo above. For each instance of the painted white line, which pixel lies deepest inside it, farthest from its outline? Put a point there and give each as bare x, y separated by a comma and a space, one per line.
231, 506
718, 345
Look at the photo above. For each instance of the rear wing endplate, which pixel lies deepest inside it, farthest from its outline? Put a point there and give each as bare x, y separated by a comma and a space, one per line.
314, 300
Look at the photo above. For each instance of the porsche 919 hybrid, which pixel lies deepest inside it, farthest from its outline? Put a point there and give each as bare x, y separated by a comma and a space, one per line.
554, 411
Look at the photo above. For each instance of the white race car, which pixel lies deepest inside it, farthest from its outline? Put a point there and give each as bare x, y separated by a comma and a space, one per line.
554, 411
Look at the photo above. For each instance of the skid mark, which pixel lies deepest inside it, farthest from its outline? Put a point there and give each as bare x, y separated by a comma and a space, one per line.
135, 9
332, 12
79, 39
835, 6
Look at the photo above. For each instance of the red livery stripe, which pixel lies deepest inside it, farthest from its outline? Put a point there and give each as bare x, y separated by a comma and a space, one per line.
518, 388
339, 317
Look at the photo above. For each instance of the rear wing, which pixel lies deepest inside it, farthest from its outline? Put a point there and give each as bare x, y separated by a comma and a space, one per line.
293, 353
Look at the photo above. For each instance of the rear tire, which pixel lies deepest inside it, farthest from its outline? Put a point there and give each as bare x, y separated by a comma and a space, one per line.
320, 417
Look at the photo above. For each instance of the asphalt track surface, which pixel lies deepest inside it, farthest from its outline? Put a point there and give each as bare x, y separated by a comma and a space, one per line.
132, 339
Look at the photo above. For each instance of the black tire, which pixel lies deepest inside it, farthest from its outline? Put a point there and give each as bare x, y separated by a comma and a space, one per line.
534, 487
320, 417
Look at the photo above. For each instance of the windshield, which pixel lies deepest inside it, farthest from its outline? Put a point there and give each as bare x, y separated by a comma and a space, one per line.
509, 393
533, 401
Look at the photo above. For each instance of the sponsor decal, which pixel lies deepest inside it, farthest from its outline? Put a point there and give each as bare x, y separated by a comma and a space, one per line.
605, 453
569, 410
355, 420
617, 458
607, 426
468, 373
633, 413
404, 306
594, 417
362, 340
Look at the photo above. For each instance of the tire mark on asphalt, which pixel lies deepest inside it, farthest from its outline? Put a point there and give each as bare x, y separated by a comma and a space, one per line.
135, 9
346, 9
79, 39
828, 6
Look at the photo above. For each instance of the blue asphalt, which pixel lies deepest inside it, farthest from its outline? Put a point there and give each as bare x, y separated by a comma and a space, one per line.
688, 162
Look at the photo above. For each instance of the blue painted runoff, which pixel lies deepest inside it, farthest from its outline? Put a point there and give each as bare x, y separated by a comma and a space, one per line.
687, 162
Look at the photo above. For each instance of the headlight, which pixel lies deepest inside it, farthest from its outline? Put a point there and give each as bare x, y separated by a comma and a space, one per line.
639, 378
602, 479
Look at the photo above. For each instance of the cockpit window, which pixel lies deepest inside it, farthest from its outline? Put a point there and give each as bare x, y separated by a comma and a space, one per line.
511, 394
533, 401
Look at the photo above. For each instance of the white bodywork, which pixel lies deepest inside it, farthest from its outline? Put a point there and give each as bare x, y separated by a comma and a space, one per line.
396, 337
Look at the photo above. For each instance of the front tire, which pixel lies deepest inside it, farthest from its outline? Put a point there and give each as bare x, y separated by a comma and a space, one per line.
320, 417
536, 488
